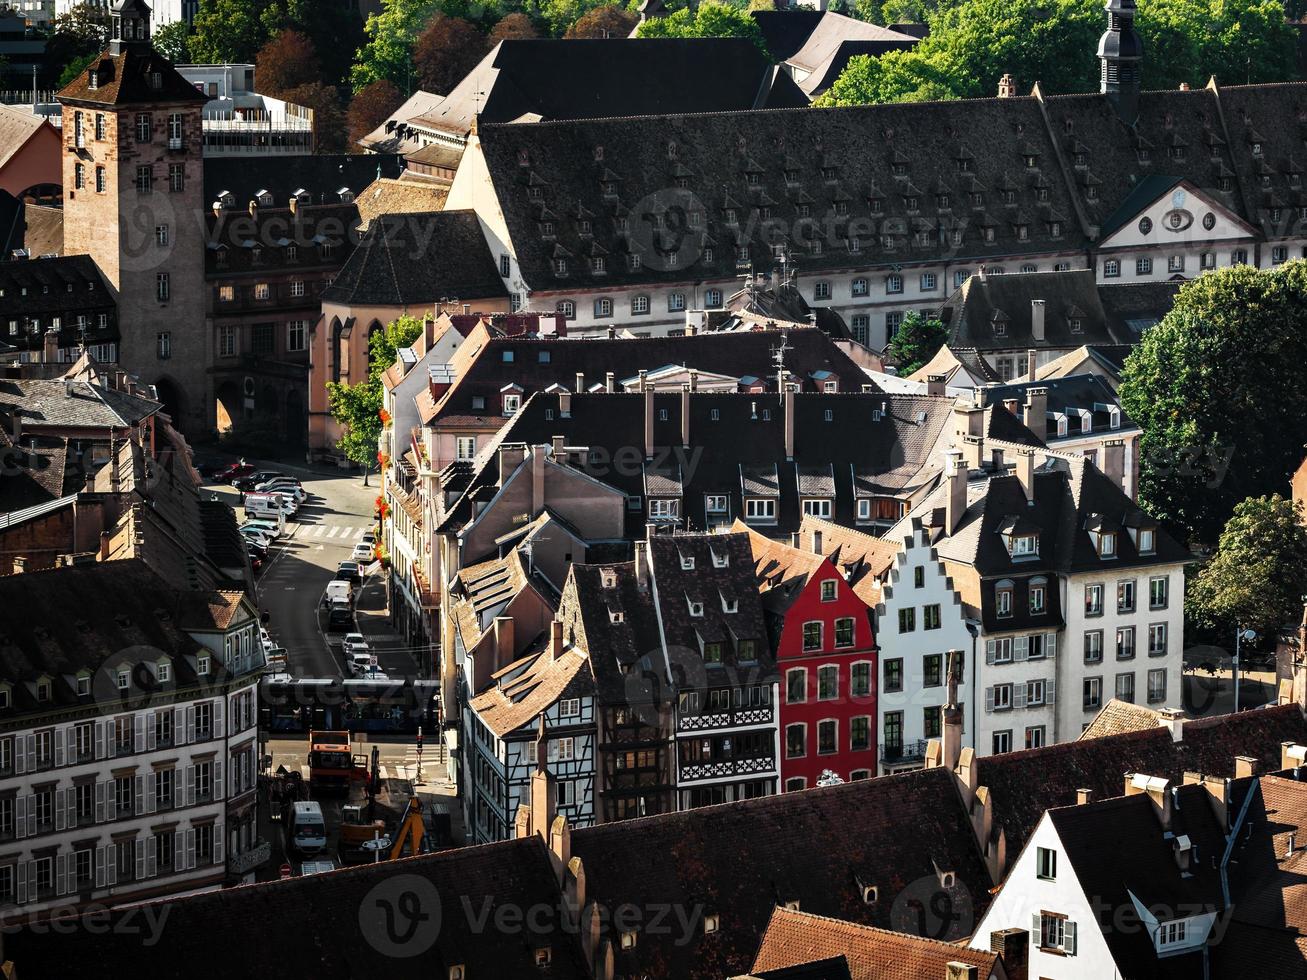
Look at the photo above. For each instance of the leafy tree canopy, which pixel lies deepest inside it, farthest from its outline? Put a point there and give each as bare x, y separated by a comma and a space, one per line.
370, 107
173, 41
712, 18
915, 343
357, 408
608, 20
287, 61
447, 50
391, 34
1216, 389
1258, 576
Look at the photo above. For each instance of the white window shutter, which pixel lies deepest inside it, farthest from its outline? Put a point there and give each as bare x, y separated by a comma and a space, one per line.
179, 726
1069, 938
1019, 694
179, 851
1050, 645
150, 801
190, 849
219, 707
59, 746
140, 793
20, 755
100, 806
31, 754
111, 864
20, 816
22, 882
190, 724
99, 867
31, 815
138, 723
61, 875
140, 859
1050, 691
217, 780
151, 733
218, 842
56, 800
1036, 926
1020, 648
151, 856
110, 800
67, 798
989, 700
989, 651
99, 739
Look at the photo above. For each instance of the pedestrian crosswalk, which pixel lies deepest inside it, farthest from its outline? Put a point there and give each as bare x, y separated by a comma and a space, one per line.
337, 532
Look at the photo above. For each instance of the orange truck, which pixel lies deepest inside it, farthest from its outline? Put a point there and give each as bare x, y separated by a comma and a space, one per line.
332, 764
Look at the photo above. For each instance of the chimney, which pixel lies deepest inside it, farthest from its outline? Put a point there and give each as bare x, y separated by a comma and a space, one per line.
973, 452
114, 449
510, 458
580, 382
1026, 474
957, 970
1037, 320
565, 404
1036, 417
560, 454
50, 350
1292, 755
1007, 86
555, 639
642, 565
294, 204
1114, 461
1184, 86
649, 448
537, 480
691, 329
1157, 788
544, 791
504, 642
955, 503
789, 421
951, 741
429, 331
935, 385
1013, 948
254, 209
685, 415
694, 380
1172, 719
608, 382
612, 333
16, 425
1245, 766
1084, 796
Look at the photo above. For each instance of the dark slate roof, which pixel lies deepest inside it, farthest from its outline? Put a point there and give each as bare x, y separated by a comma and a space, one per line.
615, 166
543, 361
593, 78
993, 312
1130, 310
1024, 784
340, 929
54, 403
1137, 860
124, 79
67, 286
1066, 395
322, 175
626, 651
391, 266
235, 233
87, 616
41, 470
748, 433
722, 572
785, 31
740, 860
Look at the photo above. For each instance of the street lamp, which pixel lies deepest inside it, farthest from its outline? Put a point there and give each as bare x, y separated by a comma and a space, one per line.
1239, 637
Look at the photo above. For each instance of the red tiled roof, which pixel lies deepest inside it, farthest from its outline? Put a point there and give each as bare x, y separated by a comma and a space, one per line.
1120, 717
796, 938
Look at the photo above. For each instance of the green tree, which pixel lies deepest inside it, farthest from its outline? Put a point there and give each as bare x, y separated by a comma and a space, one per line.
357, 408
334, 28
608, 21
391, 34
1258, 576
1238, 41
75, 38
227, 31
1215, 388
75, 68
896, 76
173, 41
916, 342
713, 18
328, 114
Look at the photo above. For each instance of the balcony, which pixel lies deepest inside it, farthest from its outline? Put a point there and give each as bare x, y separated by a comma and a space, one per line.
717, 769
735, 718
259, 854
903, 753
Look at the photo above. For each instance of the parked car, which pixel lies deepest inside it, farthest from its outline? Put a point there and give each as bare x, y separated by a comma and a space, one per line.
363, 554
355, 643
247, 483
270, 528
256, 539
340, 617
369, 538
268, 505
349, 571
287, 487
360, 663
266, 639
233, 472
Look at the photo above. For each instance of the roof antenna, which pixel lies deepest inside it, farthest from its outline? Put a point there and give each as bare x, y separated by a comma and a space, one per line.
778, 357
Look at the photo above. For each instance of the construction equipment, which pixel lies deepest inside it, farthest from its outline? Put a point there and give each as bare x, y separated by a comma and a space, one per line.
412, 831
410, 835
332, 763
355, 830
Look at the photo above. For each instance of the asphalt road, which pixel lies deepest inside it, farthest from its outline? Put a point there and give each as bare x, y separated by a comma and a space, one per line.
301, 563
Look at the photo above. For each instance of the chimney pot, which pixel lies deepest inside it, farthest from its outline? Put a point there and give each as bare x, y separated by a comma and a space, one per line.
1026, 474
580, 382
608, 382
685, 414
1084, 796
789, 421
1036, 414
1037, 320
1007, 86
1244, 766
935, 385
955, 504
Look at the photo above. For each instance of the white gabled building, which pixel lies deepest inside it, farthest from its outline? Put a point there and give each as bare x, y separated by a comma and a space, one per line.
1137, 901
128, 738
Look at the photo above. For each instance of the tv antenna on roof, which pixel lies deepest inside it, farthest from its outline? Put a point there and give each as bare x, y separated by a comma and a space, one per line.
778, 358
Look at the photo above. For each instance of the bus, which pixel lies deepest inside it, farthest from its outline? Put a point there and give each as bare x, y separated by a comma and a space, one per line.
300, 705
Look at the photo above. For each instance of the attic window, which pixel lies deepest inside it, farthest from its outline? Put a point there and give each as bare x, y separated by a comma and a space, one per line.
83, 685
599, 152
616, 616
711, 924
1076, 324
4, 699
792, 905
696, 608
1105, 544
608, 579
687, 562
524, 158
156, 80
628, 940
93, 79
720, 561
124, 680
730, 605
457, 973
43, 690
542, 957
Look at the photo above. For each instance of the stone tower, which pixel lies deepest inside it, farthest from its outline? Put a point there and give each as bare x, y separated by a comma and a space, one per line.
133, 176
1120, 52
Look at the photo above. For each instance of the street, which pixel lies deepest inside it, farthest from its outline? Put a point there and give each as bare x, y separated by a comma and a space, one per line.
322, 534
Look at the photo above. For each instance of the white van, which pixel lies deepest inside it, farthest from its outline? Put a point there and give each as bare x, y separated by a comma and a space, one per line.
307, 831
266, 506
339, 589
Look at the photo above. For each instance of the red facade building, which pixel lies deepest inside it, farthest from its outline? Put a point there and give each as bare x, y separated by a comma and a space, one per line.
827, 659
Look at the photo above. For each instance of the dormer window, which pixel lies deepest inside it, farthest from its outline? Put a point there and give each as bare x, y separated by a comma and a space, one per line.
720, 561
696, 608
6, 700
43, 689
616, 616
1147, 540
83, 685
124, 680
730, 605
202, 666
1105, 544
687, 562
1171, 933
1075, 324
1024, 545
608, 579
